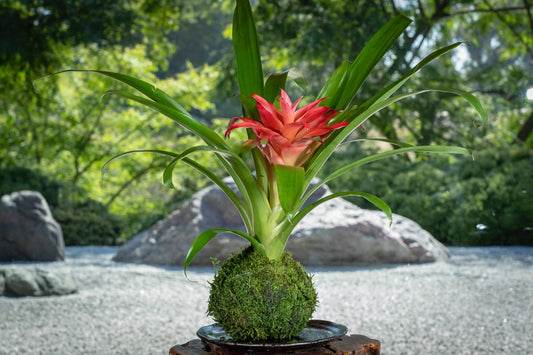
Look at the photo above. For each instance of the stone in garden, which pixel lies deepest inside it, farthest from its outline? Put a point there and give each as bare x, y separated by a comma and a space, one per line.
335, 233
28, 231
2, 284
22, 281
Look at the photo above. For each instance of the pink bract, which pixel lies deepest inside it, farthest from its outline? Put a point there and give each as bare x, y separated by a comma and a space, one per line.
288, 136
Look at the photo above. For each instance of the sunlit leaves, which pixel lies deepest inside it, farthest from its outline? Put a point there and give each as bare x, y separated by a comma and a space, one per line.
79, 128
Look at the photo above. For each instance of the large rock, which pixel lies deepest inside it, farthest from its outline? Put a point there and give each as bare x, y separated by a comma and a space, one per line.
335, 233
21, 281
28, 231
2, 283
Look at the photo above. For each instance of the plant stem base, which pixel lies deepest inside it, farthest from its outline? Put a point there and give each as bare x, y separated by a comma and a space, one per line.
353, 344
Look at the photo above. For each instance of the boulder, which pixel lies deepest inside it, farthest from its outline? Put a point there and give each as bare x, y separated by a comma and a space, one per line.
28, 231
340, 233
22, 281
335, 233
2, 283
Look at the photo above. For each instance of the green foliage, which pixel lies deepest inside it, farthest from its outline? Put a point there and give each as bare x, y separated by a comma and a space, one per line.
66, 127
37, 32
88, 223
315, 36
69, 138
488, 201
257, 300
14, 179
30, 29
69, 130
494, 199
269, 223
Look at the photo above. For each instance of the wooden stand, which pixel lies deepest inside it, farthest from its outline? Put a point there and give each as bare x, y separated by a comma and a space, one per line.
347, 345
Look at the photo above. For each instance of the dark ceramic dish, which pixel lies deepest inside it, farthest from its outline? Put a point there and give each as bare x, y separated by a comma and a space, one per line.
317, 333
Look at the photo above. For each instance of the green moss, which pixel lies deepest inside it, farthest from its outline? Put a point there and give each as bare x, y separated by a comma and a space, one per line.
256, 300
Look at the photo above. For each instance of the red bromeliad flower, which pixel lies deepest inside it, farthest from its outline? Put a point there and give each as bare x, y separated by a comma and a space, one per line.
288, 136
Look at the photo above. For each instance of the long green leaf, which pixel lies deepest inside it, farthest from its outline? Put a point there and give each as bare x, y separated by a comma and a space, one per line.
390, 141
177, 157
244, 210
152, 151
161, 102
167, 173
335, 83
474, 101
285, 231
165, 105
342, 96
249, 69
379, 101
142, 86
186, 121
246, 47
252, 194
471, 99
246, 213
376, 201
437, 149
254, 197
206, 236
360, 114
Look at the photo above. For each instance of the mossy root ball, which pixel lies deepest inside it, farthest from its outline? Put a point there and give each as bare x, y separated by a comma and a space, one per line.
258, 300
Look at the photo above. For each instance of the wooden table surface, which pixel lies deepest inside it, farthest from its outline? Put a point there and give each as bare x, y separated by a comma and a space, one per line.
353, 344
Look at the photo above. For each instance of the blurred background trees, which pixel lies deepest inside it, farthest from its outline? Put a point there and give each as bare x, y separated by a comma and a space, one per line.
65, 128
56, 134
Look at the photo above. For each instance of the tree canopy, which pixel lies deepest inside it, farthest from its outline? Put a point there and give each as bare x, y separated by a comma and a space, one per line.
67, 127
497, 60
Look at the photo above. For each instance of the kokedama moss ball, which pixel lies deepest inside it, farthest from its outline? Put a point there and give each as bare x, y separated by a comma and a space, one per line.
257, 300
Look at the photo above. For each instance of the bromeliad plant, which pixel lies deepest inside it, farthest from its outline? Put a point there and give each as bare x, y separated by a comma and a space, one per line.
288, 146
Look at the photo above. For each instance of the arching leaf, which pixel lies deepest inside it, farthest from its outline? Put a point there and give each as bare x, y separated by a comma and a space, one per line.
206, 236
376, 201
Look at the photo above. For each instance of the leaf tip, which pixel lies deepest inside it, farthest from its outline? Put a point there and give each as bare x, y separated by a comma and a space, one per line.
186, 275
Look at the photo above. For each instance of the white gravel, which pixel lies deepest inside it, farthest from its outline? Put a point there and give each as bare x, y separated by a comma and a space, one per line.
478, 302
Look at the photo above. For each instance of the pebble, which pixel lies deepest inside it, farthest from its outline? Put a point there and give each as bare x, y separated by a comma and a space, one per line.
478, 302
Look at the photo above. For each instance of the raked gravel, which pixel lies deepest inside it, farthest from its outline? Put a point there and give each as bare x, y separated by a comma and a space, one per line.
478, 302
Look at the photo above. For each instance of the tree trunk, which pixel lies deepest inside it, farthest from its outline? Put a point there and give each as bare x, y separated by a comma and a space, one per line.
526, 129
